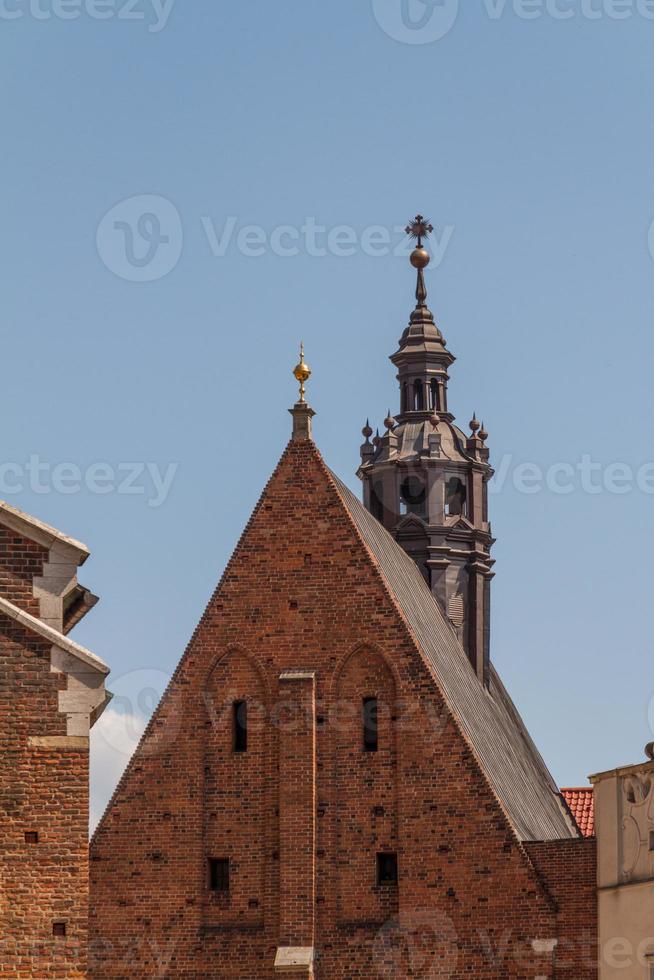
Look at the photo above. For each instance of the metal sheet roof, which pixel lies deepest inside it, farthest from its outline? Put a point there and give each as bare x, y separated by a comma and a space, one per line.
488, 719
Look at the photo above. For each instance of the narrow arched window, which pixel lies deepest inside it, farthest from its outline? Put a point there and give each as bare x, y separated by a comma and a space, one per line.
435, 400
240, 726
418, 397
405, 397
370, 729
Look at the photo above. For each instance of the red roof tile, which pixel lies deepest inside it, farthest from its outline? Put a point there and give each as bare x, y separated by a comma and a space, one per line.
581, 802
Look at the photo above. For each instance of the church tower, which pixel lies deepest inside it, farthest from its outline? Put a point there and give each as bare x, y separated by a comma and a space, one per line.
427, 482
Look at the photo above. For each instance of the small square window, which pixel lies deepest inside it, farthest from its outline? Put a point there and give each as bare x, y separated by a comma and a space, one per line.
31, 836
59, 929
219, 874
387, 869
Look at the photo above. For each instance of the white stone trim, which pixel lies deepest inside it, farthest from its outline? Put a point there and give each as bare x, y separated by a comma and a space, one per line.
43, 534
57, 639
59, 742
294, 959
84, 698
58, 579
543, 947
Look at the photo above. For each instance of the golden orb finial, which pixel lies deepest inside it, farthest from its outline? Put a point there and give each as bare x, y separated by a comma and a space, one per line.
420, 258
302, 373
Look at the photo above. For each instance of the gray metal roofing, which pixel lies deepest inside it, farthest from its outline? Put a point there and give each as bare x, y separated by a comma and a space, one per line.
488, 718
413, 439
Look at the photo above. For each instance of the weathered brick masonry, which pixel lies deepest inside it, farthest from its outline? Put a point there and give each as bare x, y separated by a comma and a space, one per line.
43, 775
569, 872
303, 627
43, 791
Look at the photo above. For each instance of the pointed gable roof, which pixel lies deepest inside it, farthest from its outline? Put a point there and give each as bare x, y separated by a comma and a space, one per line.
488, 719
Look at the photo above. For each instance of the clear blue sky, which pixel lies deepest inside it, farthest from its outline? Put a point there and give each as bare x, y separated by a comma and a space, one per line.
529, 142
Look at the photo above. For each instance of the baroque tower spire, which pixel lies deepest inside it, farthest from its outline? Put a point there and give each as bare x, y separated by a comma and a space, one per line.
427, 482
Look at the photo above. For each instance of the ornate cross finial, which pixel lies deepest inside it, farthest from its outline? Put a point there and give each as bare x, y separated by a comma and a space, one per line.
419, 228
302, 373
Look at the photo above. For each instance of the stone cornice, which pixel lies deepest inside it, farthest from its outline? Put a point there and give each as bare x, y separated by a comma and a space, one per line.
52, 636
39, 532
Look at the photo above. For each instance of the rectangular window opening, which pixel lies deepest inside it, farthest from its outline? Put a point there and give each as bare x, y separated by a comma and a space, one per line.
219, 874
387, 869
651, 847
31, 836
455, 497
59, 929
240, 726
370, 726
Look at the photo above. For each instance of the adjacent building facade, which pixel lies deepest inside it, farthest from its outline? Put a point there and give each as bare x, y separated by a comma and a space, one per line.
624, 817
51, 693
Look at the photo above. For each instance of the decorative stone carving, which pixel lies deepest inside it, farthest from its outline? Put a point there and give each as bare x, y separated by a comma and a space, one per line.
637, 827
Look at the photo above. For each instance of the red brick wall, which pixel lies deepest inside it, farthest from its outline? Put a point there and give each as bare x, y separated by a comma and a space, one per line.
569, 870
301, 594
238, 810
20, 561
44, 791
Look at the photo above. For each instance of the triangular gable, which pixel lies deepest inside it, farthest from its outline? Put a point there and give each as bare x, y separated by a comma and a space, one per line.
506, 757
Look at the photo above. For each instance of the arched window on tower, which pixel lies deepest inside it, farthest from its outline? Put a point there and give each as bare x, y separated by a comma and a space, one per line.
413, 496
435, 399
455, 497
418, 397
405, 397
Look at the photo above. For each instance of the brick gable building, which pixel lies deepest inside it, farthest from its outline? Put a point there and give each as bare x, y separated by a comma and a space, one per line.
336, 783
